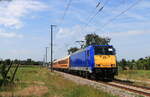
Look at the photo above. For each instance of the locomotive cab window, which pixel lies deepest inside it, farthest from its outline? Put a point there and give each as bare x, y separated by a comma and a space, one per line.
98, 50
104, 50
109, 51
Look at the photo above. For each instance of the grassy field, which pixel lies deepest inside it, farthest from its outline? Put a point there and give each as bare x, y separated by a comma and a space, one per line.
33, 81
143, 76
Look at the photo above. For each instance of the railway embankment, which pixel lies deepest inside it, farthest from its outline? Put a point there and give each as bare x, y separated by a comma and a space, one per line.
109, 87
35, 81
137, 77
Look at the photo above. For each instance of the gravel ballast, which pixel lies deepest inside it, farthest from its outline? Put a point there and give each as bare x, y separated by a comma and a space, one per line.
101, 86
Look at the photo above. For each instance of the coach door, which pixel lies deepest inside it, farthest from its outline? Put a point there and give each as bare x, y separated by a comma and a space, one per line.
88, 58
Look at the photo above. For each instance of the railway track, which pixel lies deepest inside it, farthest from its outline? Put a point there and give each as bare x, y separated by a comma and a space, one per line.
145, 91
138, 90
130, 83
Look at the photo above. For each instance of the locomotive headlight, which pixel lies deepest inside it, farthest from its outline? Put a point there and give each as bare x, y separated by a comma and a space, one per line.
112, 65
110, 49
98, 65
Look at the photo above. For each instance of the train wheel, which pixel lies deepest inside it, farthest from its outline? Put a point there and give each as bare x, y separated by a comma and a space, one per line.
86, 74
93, 76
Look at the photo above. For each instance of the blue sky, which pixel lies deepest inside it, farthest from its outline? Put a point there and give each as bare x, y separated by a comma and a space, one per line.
25, 27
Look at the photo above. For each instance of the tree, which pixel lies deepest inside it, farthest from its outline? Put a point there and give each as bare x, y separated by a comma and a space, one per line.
123, 64
91, 39
7, 62
72, 50
148, 63
29, 62
16, 61
94, 39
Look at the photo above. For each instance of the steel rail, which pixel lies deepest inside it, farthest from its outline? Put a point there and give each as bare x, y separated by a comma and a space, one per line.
129, 89
137, 89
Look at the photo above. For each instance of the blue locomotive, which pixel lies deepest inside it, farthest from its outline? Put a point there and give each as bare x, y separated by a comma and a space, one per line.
97, 61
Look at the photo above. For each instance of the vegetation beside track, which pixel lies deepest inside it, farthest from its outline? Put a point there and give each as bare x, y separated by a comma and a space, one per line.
139, 77
140, 64
34, 81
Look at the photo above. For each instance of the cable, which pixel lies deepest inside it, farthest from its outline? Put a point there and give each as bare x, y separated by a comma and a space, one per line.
112, 19
92, 17
93, 11
65, 12
98, 11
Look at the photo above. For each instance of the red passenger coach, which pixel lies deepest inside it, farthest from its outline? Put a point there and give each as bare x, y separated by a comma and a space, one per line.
62, 64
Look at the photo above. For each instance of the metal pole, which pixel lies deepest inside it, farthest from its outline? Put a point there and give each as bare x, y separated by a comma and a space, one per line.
43, 60
52, 47
46, 56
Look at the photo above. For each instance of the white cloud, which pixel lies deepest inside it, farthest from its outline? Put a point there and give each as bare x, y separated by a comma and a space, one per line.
12, 12
131, 32
20, 51
144, 4
10, 22
9, 35
76, 31
135, 16
66, 37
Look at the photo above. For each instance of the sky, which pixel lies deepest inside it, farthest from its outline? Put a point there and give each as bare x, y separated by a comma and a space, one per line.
25, 26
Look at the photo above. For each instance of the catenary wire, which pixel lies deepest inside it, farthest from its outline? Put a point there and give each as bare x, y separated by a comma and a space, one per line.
112, 19
93, 16
65, 12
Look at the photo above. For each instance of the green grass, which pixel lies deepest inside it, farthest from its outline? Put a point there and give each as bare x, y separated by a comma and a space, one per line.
135, 74
57, 86
139, 75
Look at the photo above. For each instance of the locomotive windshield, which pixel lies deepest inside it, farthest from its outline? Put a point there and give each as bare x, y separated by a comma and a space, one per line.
104, 50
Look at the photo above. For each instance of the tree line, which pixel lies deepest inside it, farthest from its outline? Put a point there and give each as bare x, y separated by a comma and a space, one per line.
21, 62
8, 69
140, 64
90, 39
